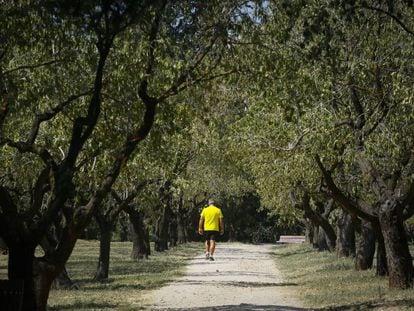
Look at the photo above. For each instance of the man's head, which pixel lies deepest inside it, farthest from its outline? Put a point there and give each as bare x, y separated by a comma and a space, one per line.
211, 202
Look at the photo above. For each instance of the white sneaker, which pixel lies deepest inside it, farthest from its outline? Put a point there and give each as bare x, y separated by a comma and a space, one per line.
207, 256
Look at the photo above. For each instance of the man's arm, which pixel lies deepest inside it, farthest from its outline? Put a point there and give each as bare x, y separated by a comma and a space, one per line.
201, 225
221, 226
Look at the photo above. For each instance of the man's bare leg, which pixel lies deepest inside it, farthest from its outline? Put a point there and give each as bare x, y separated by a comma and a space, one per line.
212, 247
207, 247
207, 244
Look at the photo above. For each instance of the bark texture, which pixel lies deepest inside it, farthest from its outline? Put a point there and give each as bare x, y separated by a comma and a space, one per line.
399, 260
365, 247
345, 242
20, 268
102, 270
162, 229
140, 237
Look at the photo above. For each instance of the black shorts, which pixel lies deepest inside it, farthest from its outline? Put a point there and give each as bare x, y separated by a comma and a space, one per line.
211, 235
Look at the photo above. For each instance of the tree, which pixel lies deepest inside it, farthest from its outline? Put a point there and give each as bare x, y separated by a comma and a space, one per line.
56, 49
333, 84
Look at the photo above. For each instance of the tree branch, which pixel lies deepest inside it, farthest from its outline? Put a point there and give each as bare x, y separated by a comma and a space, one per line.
24, 147
383, 105
197, 61
347, 203
123, 203
360, 115
49, 115
41, 187
79, 134
395, 18
29, 67
143, 88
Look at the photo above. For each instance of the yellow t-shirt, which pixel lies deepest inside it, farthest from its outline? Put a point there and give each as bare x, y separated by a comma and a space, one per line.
212, 215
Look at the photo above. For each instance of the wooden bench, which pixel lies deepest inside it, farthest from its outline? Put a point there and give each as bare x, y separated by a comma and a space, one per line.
291, 239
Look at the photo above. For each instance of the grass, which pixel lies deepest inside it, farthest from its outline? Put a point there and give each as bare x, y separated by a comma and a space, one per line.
323, 281
327, 282
127, 279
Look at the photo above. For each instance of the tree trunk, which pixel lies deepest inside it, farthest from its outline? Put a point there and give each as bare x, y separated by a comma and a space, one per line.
382, 267
161, 243
325, 236
48, 267
102, 270
147, 241
124, 233
63, 281
365, 247
48, 244
345, 242
315, 235
399, 260
3, 247
140, 242
308, 231
321, 242
231, 232
182, 234
45, 274
173, 232
182, 219
23, 264
20, 267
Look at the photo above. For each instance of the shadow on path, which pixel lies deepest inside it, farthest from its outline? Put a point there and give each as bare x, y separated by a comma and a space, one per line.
241, 307
236, 283
351, 307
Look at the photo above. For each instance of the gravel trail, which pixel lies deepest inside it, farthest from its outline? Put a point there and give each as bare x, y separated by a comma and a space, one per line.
243, 277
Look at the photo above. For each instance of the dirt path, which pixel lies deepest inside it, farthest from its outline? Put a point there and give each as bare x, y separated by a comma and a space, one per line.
243, 277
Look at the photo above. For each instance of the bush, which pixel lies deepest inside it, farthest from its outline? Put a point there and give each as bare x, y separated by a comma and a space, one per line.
264, 234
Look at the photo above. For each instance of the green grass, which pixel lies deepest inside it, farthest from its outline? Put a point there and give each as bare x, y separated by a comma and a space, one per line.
128, 279
327, 282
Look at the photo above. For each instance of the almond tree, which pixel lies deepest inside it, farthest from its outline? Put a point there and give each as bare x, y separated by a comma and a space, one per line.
61, 67
336, 84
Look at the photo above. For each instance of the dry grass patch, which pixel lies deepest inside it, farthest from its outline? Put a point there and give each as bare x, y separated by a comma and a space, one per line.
127, 278
327, 282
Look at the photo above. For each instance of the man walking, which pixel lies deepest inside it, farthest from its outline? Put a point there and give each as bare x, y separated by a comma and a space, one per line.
211, 224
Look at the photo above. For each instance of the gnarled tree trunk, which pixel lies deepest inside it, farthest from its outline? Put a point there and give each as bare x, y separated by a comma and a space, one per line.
321, 242
140, 242
173, 232
161, 243
382, 266
48, 244
124, 233
102, 271
309, 231
365, 247
399, 260
63, 281
20, 267
45, 274
345, 242
182, 234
